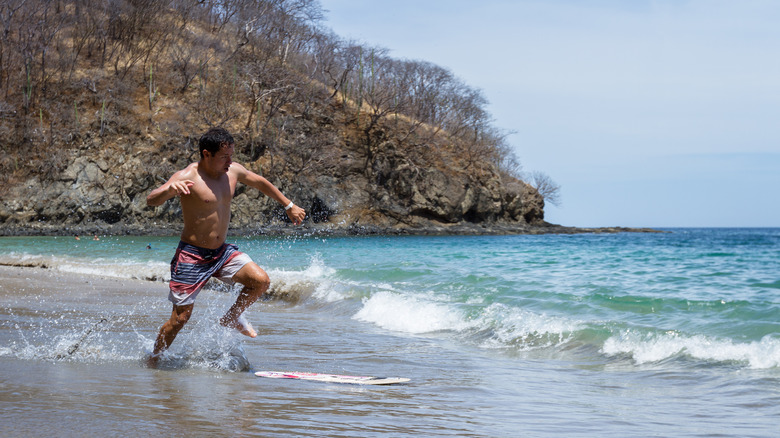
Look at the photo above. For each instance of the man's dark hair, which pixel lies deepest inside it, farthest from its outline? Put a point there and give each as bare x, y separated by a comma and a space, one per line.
213, 140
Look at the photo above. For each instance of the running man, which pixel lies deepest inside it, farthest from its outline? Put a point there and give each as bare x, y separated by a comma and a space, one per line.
206, 189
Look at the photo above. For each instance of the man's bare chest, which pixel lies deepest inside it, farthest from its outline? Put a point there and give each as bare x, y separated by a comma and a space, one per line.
212, 194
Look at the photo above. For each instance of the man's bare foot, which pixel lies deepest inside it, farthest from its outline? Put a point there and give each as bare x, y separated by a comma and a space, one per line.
151, 361
240, 324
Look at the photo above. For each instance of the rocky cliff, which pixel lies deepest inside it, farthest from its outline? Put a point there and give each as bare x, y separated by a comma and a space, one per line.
103, 185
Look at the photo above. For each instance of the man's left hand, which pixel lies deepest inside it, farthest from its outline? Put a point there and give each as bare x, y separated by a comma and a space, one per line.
296, 214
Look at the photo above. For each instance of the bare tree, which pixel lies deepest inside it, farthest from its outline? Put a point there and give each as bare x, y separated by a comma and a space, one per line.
376, 87
546, 187
218, 100
269, 86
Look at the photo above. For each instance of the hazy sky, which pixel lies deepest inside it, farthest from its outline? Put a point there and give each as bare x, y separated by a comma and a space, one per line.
646, 113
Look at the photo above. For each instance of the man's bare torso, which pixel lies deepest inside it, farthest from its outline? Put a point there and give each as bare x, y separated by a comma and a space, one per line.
206, 210
206, 189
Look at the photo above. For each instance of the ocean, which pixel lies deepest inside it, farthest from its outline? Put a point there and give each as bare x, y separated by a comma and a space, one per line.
673, 334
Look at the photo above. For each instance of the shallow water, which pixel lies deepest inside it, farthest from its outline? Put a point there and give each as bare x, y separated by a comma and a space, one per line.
674, 334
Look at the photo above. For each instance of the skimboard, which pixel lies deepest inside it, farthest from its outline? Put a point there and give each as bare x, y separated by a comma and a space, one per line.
332, 378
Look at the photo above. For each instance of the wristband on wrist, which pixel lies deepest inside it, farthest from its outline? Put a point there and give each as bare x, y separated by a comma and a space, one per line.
289, 206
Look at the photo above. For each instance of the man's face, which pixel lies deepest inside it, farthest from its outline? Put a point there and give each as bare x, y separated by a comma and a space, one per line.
221, 160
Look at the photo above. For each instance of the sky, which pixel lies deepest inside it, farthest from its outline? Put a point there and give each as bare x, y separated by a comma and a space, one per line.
646, 113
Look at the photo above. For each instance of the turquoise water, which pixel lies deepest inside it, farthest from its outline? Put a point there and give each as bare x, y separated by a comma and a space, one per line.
709, 295
687, 320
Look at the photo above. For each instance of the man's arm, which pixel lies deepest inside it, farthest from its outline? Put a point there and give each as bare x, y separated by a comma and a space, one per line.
176, 186
245, 176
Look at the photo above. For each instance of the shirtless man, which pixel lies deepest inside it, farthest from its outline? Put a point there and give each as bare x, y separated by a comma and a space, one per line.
206, 189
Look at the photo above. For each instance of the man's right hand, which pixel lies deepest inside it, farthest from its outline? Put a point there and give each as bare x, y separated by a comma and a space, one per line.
174, 187
181, 187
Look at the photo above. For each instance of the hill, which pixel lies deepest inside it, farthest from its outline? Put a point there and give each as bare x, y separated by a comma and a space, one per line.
103, 101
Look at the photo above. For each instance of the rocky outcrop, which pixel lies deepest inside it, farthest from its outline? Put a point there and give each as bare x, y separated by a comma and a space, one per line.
102, 186
416, 196
106, 187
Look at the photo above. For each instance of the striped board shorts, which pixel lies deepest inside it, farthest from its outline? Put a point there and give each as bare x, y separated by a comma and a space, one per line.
192, 266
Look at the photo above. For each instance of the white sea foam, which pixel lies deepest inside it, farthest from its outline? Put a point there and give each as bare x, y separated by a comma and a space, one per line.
505, 326
151, 270
154, 271
316, 278
761, 354
524, 329
402, 313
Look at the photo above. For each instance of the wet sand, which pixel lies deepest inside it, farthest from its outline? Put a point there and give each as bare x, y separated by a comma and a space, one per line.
104, 389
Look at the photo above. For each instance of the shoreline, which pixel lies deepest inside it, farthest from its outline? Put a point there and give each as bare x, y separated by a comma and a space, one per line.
24, 274
305, 230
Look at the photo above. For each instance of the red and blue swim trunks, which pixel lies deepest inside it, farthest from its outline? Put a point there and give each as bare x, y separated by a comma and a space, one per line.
192, 266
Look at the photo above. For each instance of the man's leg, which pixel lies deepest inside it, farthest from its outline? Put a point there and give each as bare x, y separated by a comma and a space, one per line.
179, 316
256, 283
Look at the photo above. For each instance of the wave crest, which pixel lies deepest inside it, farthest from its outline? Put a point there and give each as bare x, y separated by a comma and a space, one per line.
650, 348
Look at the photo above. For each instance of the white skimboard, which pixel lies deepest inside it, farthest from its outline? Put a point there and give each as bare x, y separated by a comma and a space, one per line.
332, 378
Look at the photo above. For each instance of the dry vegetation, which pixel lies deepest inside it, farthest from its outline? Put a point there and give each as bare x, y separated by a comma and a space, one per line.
149, 76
